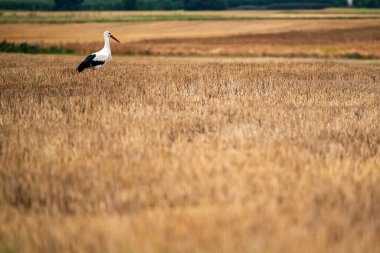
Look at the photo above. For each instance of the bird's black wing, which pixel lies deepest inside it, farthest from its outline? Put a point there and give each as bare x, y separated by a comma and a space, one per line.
89, 62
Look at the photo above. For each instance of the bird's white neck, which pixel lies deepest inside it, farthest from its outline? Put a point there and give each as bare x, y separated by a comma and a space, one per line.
107, 44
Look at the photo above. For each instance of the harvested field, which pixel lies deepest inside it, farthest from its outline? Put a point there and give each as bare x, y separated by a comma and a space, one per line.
287, 38
133, 32
361, 42
181, 156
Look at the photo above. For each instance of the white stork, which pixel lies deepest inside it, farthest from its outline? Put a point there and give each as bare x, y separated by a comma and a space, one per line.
98, 59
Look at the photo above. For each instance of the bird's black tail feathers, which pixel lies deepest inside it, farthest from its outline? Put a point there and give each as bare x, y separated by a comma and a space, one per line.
82, 66
86, 63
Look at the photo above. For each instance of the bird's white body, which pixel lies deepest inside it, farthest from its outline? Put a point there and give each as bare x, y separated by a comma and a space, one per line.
103, 55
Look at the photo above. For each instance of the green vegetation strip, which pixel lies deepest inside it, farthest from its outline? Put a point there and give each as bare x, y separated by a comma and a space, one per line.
10, 47
72, 18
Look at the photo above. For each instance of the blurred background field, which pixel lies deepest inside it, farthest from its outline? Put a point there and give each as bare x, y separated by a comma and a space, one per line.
325, 33
266, 28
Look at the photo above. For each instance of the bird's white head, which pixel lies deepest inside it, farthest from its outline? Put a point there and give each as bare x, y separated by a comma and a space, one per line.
108, 34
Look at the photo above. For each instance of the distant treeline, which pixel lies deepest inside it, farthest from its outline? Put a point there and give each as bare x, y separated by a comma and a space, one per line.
178, 4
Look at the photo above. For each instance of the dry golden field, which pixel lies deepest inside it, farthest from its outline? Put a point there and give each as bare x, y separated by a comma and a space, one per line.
360, 42
176, 155
138, 31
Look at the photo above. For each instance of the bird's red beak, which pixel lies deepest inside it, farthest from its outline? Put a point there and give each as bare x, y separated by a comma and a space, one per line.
114, 38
